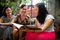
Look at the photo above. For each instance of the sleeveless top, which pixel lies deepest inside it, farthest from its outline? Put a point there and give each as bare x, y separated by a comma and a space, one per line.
6, 20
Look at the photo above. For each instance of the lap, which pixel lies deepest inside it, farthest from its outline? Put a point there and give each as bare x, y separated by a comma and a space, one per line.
40, 36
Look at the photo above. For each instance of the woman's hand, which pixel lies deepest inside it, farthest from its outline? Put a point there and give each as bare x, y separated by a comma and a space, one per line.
37, 24
26, 20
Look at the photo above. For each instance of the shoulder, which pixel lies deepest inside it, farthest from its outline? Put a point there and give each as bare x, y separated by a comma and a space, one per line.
13, 16
49, 16
3, 17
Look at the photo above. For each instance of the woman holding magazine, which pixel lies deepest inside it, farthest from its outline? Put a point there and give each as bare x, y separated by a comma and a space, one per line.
20, 19
45, 22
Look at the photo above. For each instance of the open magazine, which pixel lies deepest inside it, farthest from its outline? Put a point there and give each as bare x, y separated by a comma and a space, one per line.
17, 25
20, 25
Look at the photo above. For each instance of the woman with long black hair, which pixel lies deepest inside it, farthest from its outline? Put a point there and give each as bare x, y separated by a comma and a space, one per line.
45, 22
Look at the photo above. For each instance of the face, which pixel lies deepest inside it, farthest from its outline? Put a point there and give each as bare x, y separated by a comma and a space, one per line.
9, 11
28, 12
34, 11
23, 10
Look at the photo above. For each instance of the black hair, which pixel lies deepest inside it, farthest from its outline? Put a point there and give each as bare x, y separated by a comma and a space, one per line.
22, 6
42, 13
30, 6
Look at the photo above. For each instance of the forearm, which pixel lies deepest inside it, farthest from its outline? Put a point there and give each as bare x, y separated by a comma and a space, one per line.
47, 24
6, 23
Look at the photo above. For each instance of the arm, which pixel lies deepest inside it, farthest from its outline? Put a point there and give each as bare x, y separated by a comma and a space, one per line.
45, 25
6, 24
9, 23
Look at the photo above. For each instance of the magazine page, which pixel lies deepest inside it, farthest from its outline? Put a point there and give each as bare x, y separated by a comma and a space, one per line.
17, 25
